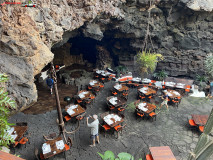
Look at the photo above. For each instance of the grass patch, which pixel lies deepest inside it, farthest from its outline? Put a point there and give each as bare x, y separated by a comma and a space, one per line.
130, 107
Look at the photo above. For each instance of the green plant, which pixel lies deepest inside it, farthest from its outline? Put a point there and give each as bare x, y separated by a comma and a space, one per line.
5, 103
147, 61
109, 155
201, 78
209, 65
161, 75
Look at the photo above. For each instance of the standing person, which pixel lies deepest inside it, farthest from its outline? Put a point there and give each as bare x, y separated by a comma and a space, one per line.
165, 100
50, 83
94, 129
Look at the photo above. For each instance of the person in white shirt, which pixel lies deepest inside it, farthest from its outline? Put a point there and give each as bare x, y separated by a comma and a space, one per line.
94, 129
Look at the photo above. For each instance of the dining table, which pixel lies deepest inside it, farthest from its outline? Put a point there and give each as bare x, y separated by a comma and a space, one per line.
172, 93
74, 110
162, 153
17, 132
84, 94
147, 91
120, 87
146, 107
95, 84
53, 147
200, 119
113, 119
116, 101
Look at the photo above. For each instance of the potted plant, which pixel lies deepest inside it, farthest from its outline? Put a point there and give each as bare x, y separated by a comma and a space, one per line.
161, 75
147, 61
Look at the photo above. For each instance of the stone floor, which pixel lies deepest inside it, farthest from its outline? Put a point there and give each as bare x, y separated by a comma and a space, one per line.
171, 128
46, 101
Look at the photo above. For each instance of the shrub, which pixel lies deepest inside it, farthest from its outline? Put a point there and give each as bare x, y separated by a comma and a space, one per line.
109, 155
161, 75
5, 103
209, 65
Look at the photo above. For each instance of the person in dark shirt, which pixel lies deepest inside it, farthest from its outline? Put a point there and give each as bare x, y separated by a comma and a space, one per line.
50, 83
165, 100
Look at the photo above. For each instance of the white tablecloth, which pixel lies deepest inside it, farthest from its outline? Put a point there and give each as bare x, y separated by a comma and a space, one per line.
60, 144
82, 94
12, 133
100, 71
143, 90
180, 85
92, 82
137, 79
118, 86
170, 84
108, 120
141, 106
145, 80
46, 148
113, 100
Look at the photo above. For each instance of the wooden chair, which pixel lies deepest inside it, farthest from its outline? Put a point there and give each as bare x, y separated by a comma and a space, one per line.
119, 129
114, 93
153, 116
149, 157
24, 140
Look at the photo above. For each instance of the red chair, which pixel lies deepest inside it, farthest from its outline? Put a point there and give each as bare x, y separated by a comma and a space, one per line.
102, 86
153, 81
150, 84
142, 97
118, 129
140, 114
201, 128
192, 123
67, 118
24, 140
149, 157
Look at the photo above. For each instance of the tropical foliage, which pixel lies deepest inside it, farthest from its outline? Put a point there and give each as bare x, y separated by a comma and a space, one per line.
201, 78
161, 75
120, 70
209, 65
5, 103
109, 155
147, 61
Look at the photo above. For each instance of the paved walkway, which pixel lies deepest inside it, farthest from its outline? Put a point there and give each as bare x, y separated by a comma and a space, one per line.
171, 128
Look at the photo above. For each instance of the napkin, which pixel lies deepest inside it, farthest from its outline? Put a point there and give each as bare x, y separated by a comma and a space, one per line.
60, 144
46, 148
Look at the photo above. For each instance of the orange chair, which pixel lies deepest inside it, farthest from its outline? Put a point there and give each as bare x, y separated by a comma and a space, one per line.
96, 76
92, 97
106, 128
121, 109
140, 114
111, 107
41, 156
153, 115
24, 140
114, 93
102, 79
192, 122
67, 118
153, 81
150, 84
201, 128
187, 90
117, 127
188, 86
163, 87
109, 79
67, 147
149, 157
142, 97
150, 97
102, 86
89, 87
79, 100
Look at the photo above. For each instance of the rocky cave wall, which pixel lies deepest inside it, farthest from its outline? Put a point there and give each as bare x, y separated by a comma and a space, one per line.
181, 34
